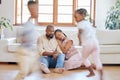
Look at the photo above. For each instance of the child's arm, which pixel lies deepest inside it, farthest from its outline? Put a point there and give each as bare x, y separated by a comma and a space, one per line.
79, 35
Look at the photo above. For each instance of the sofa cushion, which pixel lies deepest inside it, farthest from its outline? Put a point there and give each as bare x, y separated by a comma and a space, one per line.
110, 49
20, 31
13, 47
108, 36
73, 35
8, 33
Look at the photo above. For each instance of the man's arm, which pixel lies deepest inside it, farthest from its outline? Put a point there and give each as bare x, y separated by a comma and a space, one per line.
47, 53
40, 46
41, 49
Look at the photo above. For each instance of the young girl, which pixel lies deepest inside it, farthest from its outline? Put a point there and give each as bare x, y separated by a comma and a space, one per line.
88, 40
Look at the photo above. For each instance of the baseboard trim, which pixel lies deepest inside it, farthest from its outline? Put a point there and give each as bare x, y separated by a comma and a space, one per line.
111, 64
8, 63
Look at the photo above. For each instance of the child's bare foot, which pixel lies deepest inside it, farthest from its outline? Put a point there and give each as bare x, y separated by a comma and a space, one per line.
59, 70
90, 75
101, 74
93, 66
91, 72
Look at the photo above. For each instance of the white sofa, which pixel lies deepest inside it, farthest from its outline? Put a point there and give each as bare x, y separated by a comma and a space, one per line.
109, 44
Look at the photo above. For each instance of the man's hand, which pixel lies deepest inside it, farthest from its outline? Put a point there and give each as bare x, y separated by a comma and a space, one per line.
55, 55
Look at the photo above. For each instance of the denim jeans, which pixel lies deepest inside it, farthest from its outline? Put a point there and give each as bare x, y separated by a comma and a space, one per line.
51, 63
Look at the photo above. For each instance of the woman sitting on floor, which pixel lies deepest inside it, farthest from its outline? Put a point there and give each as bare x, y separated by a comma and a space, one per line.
73, 56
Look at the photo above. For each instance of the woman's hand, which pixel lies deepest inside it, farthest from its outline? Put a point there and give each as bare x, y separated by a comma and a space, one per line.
59, 42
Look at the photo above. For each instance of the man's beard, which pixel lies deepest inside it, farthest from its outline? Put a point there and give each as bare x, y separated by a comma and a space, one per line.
50, 36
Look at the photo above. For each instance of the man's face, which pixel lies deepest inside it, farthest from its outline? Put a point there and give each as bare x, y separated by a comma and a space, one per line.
33, 10
50, 33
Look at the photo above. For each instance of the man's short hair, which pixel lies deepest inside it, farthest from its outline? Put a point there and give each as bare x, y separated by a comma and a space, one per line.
49, 26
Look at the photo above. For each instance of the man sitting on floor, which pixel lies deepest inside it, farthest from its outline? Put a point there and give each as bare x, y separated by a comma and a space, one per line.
51, 55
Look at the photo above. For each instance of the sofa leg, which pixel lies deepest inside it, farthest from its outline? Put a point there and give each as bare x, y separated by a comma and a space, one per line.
12, 63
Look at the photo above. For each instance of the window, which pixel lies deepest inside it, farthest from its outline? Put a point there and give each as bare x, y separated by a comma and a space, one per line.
64, 11
57, 12
46, 11
89, 5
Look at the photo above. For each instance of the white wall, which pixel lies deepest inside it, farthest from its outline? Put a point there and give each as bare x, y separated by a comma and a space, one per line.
7, 9
102, 6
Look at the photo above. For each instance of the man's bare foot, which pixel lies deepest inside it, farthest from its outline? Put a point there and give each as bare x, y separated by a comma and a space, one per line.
44, 68
59, 70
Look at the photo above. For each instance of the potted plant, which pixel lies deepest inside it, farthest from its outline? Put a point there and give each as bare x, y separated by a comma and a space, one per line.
113, 17
4, 23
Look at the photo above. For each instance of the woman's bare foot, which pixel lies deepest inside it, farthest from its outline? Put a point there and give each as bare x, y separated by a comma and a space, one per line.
59, 70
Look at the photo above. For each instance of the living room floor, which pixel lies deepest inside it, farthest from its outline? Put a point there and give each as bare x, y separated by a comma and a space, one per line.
9, 72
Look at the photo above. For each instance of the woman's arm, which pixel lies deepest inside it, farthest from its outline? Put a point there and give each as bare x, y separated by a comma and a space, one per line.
66, 47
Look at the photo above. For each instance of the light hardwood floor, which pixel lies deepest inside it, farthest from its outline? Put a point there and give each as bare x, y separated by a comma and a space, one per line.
9, 72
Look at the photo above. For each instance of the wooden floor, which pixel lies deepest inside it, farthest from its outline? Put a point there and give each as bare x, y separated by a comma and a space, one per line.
9, 72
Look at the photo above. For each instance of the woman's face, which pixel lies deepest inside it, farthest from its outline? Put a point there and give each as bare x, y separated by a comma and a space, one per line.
78, 17
59, 35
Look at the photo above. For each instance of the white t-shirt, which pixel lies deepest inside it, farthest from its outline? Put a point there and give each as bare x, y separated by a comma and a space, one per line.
47, 45
28, 35
88, 31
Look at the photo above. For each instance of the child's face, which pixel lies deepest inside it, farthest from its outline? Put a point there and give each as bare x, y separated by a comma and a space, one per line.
78, 17
33, 10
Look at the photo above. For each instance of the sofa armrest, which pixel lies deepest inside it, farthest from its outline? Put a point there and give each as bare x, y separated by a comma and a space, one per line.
12, 48
79, 48
11, 40
11, 44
